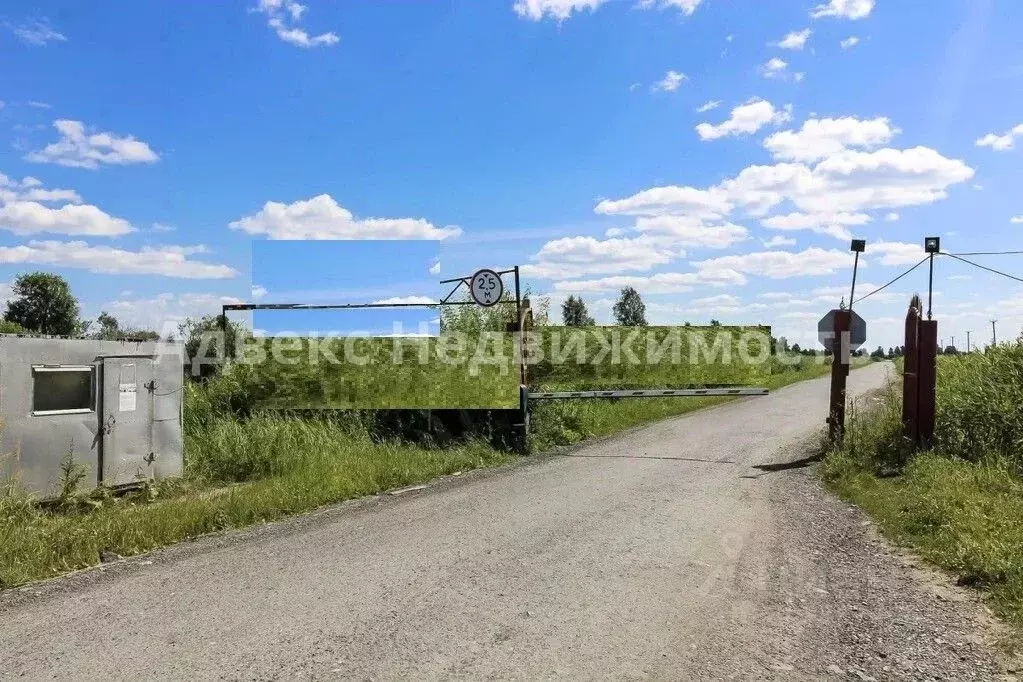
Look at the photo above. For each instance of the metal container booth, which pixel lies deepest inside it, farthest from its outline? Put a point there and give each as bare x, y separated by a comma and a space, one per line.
114, 406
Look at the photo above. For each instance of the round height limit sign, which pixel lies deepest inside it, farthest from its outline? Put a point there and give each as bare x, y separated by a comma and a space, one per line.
486, 287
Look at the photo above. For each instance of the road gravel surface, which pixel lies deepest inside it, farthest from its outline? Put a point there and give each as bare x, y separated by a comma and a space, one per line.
668, 552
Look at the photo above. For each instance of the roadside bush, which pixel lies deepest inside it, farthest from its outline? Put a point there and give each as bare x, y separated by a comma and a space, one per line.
980, 405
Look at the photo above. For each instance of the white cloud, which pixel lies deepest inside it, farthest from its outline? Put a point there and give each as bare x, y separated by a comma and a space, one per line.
661, 283
580, 256
796, 40
831, 224
692, 232
162, 228
1016, 220
30, 217
670, 200
283, 16
820, 138
780, 264
846, 182
30, 189
898, 253
615, 232
722, 303
886, 178
162, 313
38, 33
778, 241
851, 41
322, 218
435, 267
169, 261
850, 181
833, 294
1001, 143
554, 9
718, 300
746, 119
77, 149
708, 106
774, 67
258, 292
670, 83
687, 7
406, 300
559, 10
844, 9
891, 217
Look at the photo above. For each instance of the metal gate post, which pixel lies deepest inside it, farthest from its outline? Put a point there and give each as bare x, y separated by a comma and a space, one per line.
839, 372
910, 377
927, 381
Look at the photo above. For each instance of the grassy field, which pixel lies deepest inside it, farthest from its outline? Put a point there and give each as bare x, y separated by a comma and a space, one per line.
480, 370
655, 357
247, 466
450, 371
960, 505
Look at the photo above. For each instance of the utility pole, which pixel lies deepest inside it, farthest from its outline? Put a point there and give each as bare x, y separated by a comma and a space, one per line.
953, 343
932, 245
994, 339
968, 340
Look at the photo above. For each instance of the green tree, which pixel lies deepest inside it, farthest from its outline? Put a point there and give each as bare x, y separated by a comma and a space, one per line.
207, 345
473, 319
43, 303
110, 330
574, 313
715, 323
630, 311
11, 328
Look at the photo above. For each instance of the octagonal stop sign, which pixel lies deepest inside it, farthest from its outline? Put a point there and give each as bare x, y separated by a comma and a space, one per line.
826, 331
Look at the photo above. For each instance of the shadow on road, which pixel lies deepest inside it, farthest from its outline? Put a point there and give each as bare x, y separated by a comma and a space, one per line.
785, 466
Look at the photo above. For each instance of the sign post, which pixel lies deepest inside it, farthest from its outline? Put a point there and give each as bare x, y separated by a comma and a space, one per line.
840, 320
842, 331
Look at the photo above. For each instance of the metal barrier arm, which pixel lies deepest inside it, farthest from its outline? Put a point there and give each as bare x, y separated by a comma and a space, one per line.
650, 393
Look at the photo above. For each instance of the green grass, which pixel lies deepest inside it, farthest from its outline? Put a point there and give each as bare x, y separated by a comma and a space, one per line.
480, 370
292, 466
247, 467
449, 371
959, 506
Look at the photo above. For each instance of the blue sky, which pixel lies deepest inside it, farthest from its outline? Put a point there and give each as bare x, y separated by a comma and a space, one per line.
346, 272
149, 145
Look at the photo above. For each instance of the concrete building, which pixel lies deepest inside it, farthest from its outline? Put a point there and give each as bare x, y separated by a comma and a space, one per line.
114, 406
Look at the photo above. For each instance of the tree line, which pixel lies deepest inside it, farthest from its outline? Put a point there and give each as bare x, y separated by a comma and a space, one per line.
628, 311
42, 303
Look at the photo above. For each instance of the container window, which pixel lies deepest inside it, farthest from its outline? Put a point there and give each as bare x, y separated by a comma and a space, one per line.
63, 389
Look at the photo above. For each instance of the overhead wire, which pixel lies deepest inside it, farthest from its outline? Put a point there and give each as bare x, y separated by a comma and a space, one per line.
885, 286
982, 267
983, 253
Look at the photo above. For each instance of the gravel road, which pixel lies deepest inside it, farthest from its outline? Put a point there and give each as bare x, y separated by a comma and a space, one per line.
663, 552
